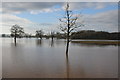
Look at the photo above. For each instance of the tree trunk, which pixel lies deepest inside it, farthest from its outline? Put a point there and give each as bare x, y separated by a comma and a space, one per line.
52, 37
15, 38
40, 36
68, 25
67, 47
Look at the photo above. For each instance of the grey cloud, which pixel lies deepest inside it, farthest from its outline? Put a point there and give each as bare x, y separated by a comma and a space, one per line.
93, 5
12, 7
105, 21
37, 7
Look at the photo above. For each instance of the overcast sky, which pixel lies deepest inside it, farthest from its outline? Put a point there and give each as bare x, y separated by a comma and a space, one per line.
100, 16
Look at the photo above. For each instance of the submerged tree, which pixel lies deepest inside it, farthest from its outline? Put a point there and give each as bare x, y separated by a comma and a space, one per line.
39, 34
52, 34
69, 24
16, 31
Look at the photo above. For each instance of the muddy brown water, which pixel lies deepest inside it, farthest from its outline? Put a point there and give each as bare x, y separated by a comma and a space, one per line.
33, 58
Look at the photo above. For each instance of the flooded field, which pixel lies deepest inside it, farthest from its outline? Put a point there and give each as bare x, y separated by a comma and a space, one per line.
34, 58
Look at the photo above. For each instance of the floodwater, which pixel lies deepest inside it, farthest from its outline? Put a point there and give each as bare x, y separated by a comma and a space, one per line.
34, 58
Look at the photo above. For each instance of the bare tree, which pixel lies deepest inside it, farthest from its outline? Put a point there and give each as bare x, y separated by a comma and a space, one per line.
39, 34
69, 24
16, 31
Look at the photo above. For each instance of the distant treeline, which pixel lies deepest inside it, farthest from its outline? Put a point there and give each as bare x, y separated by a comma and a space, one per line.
84, 34
91, 34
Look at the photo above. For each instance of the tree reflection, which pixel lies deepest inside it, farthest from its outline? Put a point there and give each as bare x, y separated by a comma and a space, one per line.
93, 44
39, 42
67, 66
15, 44
52, 43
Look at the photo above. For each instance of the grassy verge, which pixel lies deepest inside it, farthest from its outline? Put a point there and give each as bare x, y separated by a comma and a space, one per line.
98, 42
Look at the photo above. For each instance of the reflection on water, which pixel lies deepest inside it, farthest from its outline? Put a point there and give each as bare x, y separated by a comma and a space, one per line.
67, 66
52, 43
0, 59
39, 42
34, 58
93, 44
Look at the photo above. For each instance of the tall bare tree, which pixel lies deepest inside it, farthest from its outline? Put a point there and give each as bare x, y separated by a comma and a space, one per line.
16, 31
69, 24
